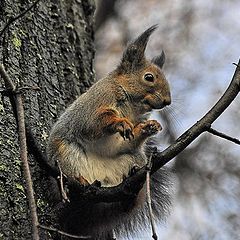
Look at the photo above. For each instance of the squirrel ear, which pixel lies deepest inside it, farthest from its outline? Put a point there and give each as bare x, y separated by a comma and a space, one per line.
159, 60
133, 56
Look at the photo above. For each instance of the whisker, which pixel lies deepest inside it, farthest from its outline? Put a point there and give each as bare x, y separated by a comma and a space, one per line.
171, 119
174, 116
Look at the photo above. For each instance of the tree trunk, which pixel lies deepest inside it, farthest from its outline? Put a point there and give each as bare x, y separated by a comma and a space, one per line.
51, 46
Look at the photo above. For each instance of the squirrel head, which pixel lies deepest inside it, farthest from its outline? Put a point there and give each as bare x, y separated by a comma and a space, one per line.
142, 80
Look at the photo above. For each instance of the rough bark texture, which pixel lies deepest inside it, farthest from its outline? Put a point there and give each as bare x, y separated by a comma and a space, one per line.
51, 47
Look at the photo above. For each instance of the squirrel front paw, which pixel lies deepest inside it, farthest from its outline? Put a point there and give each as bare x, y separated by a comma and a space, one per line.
124, 127
150, 127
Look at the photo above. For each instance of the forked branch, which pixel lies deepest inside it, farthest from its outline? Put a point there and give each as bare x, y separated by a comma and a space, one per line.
133, 184
204, 124
17, 99
223, 135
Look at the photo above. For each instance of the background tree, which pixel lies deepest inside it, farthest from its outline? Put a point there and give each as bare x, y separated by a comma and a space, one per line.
200, 40
51, 47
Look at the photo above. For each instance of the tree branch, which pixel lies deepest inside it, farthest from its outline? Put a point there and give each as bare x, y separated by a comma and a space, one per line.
149, 200
14, 19
51, 229
23, 151
223, 135
160, 159
133, 184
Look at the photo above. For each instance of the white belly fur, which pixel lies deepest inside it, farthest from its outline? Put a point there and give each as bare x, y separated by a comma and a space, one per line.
104, 160
110, 172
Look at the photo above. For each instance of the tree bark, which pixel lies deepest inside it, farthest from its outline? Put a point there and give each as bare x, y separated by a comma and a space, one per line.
51, 46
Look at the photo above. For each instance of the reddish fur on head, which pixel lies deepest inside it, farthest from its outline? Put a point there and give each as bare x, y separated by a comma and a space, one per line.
133, 69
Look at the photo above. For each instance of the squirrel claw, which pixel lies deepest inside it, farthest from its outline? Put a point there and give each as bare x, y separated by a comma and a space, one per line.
127, 134
125, 130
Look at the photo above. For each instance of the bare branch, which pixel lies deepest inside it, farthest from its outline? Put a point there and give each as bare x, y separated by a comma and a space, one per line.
23, 152
114, 235
149, 202
41, 157
223, 135
8, 82
51, 229
160, 159
60, 178
32, 88
133, 184
7, 92
14, 19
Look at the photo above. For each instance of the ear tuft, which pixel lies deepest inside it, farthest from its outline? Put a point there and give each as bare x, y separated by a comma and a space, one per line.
159, 60
133, 57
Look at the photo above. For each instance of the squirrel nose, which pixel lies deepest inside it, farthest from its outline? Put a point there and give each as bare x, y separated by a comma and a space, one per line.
167, 100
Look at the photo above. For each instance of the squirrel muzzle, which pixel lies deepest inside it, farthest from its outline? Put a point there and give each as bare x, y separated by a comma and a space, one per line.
157, 100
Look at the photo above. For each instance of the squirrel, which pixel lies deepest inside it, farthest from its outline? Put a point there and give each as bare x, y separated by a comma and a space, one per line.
103, 135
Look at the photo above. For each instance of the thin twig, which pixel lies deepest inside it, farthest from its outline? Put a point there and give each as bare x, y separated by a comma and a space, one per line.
51, 229
236, 64
223, 135
6, 92
114, 235
32, 88
14, 19
8, 82
26, 170
60, 178
149, 202
23, 153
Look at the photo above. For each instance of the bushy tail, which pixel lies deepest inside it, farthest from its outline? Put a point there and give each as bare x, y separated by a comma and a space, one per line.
98, 220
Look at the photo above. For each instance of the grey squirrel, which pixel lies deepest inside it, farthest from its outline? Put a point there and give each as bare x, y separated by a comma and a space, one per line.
103, 135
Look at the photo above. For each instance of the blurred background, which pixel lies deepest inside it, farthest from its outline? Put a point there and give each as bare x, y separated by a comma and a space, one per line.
201, 40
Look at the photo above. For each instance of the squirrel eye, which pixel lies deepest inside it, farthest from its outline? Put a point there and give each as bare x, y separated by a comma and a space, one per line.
149, 77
